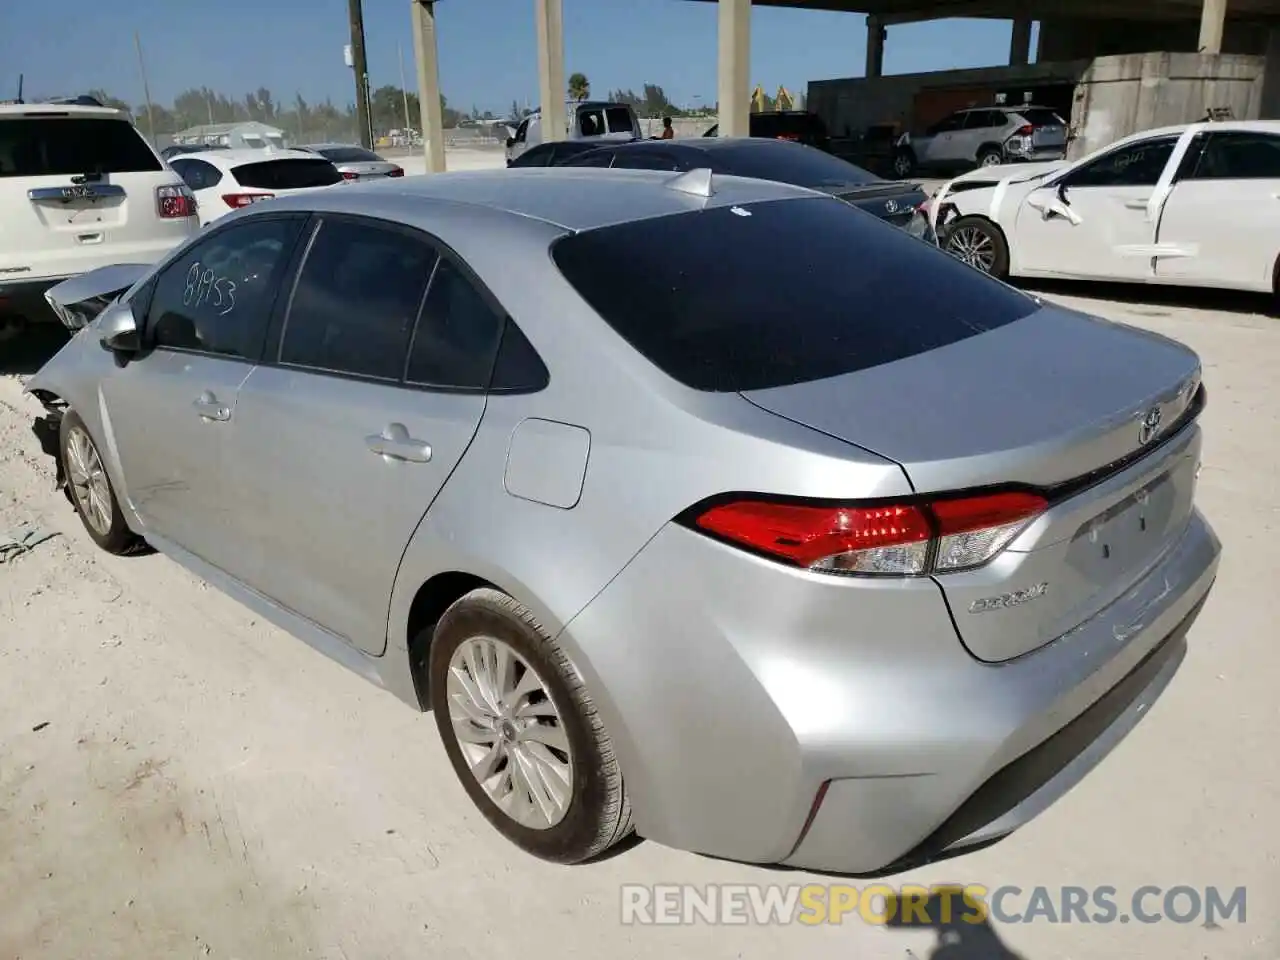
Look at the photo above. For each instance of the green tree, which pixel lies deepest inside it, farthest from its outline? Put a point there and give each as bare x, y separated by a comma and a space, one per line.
579, 86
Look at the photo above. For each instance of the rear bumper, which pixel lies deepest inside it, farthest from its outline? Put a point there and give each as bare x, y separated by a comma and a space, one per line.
734, 689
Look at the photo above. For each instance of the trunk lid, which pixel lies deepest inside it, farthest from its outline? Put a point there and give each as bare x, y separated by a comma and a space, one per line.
1072, 405
895, 201
368, 169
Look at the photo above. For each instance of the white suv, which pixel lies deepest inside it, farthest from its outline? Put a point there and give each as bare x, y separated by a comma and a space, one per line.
79, 189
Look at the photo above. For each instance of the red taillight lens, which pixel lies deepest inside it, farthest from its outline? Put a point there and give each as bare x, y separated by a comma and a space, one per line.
397, 172
907, 539
1026, 130
237, 200
175, 203
348, 175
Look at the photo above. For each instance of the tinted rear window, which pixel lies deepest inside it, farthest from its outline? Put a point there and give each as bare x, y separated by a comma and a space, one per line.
349, 155
790, 163
1043, 118
694, 293
291, 174
60, 146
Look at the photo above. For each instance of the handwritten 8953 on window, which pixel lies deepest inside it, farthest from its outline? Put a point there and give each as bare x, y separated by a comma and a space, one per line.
204, 286
938, 906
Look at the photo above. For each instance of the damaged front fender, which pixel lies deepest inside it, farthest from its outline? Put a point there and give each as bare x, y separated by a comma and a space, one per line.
78, 301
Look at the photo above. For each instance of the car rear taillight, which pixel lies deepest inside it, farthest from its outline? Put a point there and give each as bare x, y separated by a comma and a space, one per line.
397, 172
348, 175
237, 200
1025, 130
175, 203
941, 535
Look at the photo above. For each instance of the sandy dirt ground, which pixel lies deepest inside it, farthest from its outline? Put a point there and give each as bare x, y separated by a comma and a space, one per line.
180, 780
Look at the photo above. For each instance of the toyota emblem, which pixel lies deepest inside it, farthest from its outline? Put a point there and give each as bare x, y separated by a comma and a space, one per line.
1149, 426
891, 206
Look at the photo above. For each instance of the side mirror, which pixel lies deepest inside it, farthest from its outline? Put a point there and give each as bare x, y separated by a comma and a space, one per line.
1062, 192
511, 141
119, 331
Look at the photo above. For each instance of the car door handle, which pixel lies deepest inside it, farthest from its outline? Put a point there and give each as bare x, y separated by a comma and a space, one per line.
1140, 204
395, 443
210, 408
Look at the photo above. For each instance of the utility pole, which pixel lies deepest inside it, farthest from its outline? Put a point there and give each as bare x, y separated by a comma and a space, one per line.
146, 89
361, 69
424, 44
404, 90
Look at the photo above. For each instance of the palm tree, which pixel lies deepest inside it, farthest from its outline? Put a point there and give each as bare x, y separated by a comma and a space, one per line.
579, 86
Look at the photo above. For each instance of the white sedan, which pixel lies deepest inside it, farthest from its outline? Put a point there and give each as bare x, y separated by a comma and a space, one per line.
1195, 205
226, 180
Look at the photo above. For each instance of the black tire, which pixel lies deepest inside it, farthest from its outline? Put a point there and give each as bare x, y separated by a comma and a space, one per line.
113, 536
990, 157
904, 164
966, 237
598, 812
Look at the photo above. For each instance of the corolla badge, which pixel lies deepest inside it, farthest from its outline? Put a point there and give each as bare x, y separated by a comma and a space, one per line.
1149, 426
1007, 600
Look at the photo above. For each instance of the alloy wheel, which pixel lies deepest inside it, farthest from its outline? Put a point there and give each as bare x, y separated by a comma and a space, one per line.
510, 732
972, 246
88, 481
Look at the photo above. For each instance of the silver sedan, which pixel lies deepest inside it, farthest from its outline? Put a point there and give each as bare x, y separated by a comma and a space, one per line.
845, 567
355, 162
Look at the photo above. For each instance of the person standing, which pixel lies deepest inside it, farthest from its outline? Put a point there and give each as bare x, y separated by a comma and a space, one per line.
667, 132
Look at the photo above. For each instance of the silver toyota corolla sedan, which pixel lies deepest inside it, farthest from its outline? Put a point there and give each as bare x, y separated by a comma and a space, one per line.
847, 567
355, 162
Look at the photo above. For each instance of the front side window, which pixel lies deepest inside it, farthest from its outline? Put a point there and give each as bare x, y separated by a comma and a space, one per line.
619, 120
947, 125
356, 300
197, 174
1239, 156
522, 131
591, 123
1137, 164
217, 298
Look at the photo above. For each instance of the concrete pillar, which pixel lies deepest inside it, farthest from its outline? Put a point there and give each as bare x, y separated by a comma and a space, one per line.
876, 33
734, 68
1269, 109
424, 48
1020, 43
551, 81
1213, 17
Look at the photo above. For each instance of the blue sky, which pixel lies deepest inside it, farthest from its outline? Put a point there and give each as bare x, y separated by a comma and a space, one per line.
487, 54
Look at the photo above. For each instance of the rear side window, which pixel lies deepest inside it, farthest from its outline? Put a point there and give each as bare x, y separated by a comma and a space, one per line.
287, 174
619, 120
65, 146
688, 292
458, 335
791, 163
1239, 156
197, 174
356, 300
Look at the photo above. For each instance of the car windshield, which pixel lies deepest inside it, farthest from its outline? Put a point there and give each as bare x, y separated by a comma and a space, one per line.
692, 293
287, 174
66, 146
791, 163
349, 154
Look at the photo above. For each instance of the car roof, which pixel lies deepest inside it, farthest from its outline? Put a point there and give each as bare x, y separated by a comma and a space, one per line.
712, 144
68, 110
234, 158
571, 198
335, 146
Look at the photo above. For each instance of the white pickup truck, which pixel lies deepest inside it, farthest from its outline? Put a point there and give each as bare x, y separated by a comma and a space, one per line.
584, 120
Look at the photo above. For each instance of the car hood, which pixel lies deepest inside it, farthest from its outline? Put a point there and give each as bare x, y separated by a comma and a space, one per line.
78, 301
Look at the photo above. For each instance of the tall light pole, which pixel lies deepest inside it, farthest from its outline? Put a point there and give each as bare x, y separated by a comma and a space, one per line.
424, 48
360, 67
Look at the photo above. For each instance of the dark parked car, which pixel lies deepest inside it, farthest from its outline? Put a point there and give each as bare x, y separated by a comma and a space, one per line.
798, 126
554, 154
777, 160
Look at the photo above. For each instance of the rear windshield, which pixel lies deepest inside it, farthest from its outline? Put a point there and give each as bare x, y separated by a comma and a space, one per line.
619, 120
290, 174
65, 146
695, 293
349, 155
1042, 117
791, 163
